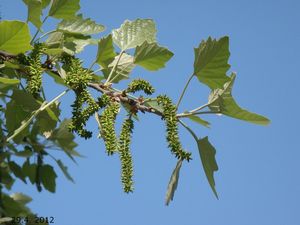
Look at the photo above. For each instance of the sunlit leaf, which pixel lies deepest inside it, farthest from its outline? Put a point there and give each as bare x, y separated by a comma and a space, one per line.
151, 56
221, 101
22, 198
78, 25
6, 82
134, 33
34, 12
172, 186
64, 9
106, 53
122, 71
211, 62
207, 155
14, 36
199, 120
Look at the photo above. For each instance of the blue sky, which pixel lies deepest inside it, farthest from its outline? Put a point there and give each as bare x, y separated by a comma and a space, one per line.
258, 180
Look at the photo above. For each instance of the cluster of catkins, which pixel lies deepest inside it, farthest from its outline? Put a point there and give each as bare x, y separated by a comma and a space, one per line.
34, 69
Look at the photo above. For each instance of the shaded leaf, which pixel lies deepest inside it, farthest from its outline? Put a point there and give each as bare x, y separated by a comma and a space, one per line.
17, 171
106, 53
14, 208
221, 100
211, 62
197, 119
14, 36
29, 170
134, 33
64, 139
78, 25
64, 9
151, 56
207, 155
27, 152
48, 176
46, 120
172, 186
64, 169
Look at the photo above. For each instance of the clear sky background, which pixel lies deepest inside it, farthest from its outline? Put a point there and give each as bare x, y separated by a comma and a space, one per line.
258, 179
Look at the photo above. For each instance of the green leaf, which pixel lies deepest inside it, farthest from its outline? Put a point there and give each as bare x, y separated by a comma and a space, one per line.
55, 39
27, 152
48, 177
106, 53
29, 170
46, 120
34, 12
14, 37
6, 82
6, 178
125, 66
45, 3
199, 120
151, 56
64, 9
211, 62
64, 139
17, 171
57, 78
64, 169
74, 46
21, 198
134, 33
78, 25
153, 104
221, 101
207, 155
172, 186
14, 208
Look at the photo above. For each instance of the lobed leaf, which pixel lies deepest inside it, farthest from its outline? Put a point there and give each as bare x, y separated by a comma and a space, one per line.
105, 53
34, 12
134, 33
221, 100
48, 176
151, 56
211, 62
207, 155
123, 69
14, 36
64, 9
78, 25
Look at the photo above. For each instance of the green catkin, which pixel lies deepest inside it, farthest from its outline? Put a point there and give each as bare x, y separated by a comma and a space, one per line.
34, 79
125, 155
169, 115
78, 78
140, 85
107, 122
